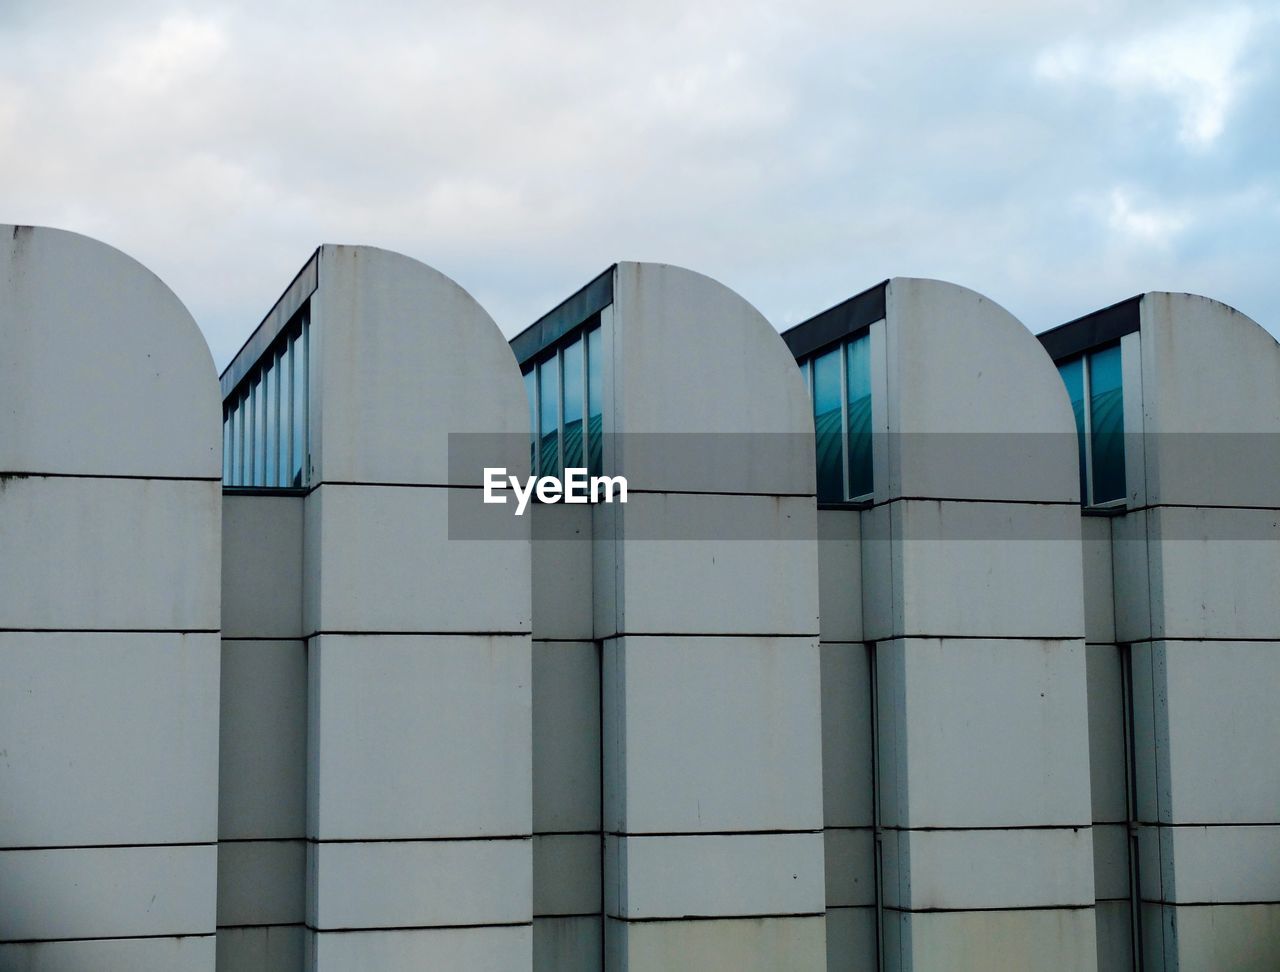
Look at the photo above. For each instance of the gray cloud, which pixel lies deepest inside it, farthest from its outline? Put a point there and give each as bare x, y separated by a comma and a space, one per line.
1056, 156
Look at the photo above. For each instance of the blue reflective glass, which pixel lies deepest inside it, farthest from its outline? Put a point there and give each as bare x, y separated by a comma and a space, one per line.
531, 390
828, 426
226, 448
595, 403
572, 403
1073, 377
549, 431
259, 434
1106, 419
283, 366
858, 382
270, 383
299, 432
237, 442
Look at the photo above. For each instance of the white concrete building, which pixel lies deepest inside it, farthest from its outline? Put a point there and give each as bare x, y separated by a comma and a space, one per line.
923, 655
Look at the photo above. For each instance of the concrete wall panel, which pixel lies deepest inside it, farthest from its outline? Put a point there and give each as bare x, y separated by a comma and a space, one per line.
723, 945
128, 554
108, 739
262, 566
413, 884
1046, 940
729, 875
738, 717
395, 717
840, 575
262, 882
107, 891
567, 944
262, 755
710, 565
261, 949
386, 564
191, 954
562, 596
566, 874
474, 949
1018, 702
850, 867
566, 736
847, 756
985, 869
851, 940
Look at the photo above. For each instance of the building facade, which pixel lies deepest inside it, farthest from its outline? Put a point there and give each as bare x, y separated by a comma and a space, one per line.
919, 643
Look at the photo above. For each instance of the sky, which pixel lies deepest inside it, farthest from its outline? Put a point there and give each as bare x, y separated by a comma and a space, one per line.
1056, 156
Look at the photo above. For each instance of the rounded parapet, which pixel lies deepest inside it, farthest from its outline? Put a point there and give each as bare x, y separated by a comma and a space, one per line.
103, 371
408, 360
705, 394
1210, 404
974, 407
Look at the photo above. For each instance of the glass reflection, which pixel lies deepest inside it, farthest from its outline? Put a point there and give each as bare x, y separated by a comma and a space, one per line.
828, 426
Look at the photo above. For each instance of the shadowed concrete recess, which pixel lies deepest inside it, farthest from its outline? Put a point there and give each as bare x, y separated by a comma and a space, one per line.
920, 643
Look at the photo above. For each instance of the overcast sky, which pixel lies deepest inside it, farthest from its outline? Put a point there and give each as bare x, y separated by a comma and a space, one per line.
1057, 156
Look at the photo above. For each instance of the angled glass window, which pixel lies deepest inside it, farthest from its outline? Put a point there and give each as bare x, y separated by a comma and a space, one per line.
283, 365
226, 447
565, 388
266, 415
301, 357
828, 425
573, 403
1094, 384
595, 403
531, 390
858, 385
839, 381
270, 383
237, 442
1106, 425
1073, 377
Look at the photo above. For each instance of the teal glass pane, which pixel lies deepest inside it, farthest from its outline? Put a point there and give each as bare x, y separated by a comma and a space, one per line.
259, 433
549, 424
827, 422
284, 368
858, 382
237, 442
299, 432
1106, 414
1073, 377
226, 449
531, 391
270, 381
595, 403
573, 404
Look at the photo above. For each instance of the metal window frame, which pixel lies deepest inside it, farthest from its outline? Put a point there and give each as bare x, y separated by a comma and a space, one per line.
807, 367
557, 353
1086, 381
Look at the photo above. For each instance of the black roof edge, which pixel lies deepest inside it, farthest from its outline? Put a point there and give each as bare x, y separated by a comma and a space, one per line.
845, 319
581, 306
301, 287
1093, 330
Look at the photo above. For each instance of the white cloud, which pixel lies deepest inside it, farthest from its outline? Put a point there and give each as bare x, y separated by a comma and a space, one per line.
1144, 224
1195, 63
798, 152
